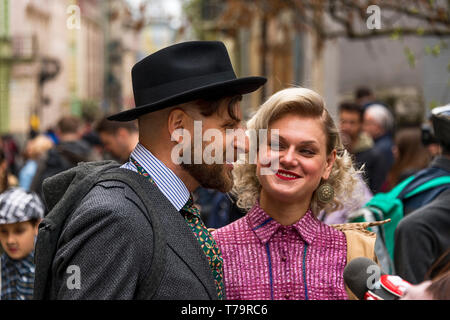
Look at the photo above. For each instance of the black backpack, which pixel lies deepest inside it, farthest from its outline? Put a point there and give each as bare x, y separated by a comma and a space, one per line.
78, 182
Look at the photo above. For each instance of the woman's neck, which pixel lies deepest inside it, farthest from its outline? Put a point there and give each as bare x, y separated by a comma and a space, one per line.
284, 213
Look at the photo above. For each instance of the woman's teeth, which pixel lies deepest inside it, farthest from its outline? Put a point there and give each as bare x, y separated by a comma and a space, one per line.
286, 175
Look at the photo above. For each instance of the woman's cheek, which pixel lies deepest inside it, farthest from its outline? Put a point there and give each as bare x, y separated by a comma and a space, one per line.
268, 162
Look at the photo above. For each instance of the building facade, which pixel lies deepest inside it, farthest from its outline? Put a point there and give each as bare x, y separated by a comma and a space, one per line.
57, 61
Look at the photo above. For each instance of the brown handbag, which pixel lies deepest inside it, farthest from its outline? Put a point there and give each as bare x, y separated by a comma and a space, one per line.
360, 242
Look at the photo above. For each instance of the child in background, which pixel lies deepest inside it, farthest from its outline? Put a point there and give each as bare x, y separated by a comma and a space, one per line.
20, 214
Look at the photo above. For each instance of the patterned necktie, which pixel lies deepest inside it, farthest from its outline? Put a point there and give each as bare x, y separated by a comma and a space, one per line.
207, 243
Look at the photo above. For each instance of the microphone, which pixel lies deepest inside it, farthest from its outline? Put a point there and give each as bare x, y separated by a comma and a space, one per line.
368, 281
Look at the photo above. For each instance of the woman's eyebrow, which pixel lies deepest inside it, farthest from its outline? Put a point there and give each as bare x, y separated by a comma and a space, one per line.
283, 140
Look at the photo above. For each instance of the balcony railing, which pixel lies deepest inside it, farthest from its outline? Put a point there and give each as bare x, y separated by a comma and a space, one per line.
24, 47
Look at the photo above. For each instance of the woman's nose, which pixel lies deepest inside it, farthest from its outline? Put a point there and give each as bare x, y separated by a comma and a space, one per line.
288, 157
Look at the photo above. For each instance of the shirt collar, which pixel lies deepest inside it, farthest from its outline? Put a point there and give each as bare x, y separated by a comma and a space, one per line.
441, 162
265, 227
166, 180
23, 266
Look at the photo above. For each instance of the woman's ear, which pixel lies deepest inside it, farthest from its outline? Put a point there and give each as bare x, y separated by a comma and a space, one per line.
331, 158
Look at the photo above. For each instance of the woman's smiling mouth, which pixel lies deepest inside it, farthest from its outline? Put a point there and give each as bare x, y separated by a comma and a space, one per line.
286, 175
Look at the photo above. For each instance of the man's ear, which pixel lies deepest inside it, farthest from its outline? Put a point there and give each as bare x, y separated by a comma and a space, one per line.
177, 119
121, 133
36, 227
331, 158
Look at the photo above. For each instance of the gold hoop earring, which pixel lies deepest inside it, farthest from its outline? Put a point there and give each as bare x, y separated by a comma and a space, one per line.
325, 193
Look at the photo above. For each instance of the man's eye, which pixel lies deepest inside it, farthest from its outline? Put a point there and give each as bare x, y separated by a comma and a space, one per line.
231, 125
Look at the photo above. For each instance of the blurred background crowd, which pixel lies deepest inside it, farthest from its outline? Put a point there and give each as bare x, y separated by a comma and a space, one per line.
65, 65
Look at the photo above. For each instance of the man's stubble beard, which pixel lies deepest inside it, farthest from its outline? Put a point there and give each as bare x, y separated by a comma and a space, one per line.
211, 176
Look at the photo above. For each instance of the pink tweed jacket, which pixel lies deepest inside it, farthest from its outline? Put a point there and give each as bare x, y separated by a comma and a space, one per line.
265, 260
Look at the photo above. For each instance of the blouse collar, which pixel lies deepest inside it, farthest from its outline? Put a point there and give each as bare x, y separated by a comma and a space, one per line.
265, 226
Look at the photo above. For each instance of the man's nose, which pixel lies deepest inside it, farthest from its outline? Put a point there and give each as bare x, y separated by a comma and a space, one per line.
241, 141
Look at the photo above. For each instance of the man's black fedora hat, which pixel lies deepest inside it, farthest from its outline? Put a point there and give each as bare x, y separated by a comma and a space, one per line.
184, 72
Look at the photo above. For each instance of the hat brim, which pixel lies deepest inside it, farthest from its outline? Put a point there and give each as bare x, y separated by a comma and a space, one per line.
221, 89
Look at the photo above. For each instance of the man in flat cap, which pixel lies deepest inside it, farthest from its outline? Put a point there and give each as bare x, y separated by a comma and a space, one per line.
177, 90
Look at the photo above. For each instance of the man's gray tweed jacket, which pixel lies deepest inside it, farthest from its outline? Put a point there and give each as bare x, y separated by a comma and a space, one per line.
110, 240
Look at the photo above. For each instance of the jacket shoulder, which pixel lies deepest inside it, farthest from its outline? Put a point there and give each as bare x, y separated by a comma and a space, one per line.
108, 238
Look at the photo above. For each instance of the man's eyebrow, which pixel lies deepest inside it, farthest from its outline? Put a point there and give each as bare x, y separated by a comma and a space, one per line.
231, 122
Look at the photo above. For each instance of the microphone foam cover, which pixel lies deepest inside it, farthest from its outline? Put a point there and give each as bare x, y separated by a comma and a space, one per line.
356, 274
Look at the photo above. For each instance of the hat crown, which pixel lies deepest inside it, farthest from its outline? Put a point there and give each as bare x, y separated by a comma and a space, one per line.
182, 61
184, 72
18, 205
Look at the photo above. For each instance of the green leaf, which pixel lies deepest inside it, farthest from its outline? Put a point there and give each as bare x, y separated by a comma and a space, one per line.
420, 31
396, 34
433, 104
436, 50
410, 56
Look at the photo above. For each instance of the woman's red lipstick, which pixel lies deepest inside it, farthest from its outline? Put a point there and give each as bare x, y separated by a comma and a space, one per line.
282, 175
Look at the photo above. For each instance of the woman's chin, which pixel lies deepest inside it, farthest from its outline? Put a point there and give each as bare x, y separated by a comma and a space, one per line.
287, 196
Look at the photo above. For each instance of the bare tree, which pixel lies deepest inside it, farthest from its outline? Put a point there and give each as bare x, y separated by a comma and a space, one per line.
349, 17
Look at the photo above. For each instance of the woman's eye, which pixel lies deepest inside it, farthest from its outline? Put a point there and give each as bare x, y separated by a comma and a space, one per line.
276, 146
308, 152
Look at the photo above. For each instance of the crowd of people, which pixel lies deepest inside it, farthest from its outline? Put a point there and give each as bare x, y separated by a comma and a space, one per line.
229, 231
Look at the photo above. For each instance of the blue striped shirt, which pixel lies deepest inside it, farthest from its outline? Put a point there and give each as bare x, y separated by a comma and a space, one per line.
166, 180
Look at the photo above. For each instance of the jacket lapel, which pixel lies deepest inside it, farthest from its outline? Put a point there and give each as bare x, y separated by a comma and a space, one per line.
179, 236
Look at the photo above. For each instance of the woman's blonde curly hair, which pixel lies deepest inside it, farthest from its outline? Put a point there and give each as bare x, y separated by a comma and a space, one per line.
344, 178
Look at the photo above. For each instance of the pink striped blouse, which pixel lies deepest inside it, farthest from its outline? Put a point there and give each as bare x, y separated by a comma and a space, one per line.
265, 260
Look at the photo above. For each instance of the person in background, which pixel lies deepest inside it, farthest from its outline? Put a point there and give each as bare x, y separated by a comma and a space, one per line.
410, 155
364, 97
379, 124
217, 208
438, 289
34, 150
437, 282
361, 146
20, 214
118, 138
11, 151
7, 179
70, 150
3, 172
429, 140
89, 116
423, 235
